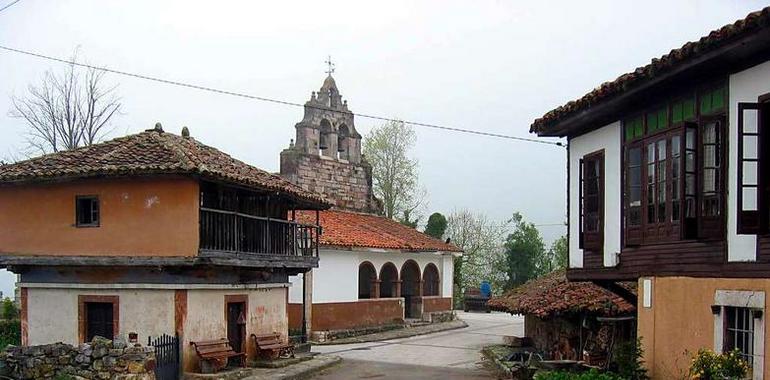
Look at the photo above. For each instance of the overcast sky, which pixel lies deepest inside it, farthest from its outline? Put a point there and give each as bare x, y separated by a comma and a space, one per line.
491, 66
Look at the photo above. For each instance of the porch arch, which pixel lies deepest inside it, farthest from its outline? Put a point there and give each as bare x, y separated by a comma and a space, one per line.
431, 281
389, 281
367, 281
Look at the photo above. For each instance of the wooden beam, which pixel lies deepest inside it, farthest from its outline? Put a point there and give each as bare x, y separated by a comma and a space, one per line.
616, 288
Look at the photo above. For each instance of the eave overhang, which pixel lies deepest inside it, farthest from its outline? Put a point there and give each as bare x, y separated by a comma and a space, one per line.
734, 56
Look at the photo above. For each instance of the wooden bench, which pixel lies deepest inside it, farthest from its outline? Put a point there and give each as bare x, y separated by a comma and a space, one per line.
215, 353
270, 346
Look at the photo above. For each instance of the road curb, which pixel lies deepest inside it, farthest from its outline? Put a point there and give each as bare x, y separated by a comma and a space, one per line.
400, 333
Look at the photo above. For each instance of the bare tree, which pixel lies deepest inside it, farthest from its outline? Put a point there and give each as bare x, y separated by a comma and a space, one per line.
482, 241
66, 110
394, 173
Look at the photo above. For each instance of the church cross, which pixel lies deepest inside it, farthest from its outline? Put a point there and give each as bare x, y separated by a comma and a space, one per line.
330, 64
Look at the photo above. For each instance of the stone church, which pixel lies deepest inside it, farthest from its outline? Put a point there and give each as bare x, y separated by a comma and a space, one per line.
326, 157
372, 270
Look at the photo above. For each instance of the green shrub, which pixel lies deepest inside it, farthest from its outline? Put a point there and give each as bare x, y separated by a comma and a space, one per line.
590, 375
10, 333
708, 365
628, 359
9, 310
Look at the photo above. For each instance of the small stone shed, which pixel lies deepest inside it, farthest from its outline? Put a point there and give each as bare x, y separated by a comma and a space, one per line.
571, 320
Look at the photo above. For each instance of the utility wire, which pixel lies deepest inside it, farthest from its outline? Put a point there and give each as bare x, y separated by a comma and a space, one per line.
275, 101
9, 5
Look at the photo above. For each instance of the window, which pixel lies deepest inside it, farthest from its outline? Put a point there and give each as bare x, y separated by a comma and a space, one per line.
87, 211
739, 332
674, 170
592, 201
753, 168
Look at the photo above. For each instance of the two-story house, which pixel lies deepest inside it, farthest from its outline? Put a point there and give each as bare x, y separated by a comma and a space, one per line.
151, 234
669, 184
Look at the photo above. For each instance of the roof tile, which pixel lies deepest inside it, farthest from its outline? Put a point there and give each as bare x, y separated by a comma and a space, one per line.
147, 153
352, 229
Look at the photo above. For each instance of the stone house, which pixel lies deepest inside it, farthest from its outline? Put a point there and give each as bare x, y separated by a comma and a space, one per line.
668, 170
372, 270
152, 234
567, 320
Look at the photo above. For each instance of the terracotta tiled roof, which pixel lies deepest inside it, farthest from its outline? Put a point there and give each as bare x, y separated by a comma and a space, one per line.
553, 295
152, 152
352, 229
715, 40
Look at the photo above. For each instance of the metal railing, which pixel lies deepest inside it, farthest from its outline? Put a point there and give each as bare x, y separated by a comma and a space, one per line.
234, 232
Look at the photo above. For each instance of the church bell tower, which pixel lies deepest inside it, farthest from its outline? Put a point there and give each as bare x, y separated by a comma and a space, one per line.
326, 157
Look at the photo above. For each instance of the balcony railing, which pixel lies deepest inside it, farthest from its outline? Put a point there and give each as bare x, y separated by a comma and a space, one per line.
234, 232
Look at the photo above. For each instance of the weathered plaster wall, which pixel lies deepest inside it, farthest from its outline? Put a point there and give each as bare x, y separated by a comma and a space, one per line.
680, 320
267, 313
745, 86
53, 313
607, 138
139, 217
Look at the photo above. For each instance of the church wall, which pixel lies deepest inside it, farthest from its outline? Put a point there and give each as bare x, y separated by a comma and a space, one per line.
346, 185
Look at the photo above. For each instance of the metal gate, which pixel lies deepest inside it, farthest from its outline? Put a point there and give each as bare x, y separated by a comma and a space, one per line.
167, 354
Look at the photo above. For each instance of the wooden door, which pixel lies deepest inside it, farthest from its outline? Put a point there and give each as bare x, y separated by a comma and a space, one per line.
99, 320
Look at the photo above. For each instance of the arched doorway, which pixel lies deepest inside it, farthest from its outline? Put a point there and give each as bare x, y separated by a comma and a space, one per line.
388, 281
411, 289
431, 283
367, 279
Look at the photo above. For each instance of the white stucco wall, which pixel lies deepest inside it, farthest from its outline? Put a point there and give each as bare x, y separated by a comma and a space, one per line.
336, 278
53, 313
745, 86
607, 138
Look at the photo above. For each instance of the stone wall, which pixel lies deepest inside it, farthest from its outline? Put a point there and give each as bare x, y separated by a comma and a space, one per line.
98, 359
347, 185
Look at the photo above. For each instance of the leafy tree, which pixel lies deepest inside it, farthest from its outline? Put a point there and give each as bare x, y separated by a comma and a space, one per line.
394, 173
9, 310
525, 253
558, 253
66, 110
406, 219
437, 225
481, 240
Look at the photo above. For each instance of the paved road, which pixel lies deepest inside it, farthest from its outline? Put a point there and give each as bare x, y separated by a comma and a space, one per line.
445, 355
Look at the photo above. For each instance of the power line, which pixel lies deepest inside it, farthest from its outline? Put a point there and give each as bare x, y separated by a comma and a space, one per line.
9, 5
275, 101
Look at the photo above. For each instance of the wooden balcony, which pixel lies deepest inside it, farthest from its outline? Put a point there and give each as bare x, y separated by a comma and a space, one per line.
247, 237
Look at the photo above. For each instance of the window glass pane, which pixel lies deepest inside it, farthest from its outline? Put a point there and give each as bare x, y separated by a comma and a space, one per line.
749, 199
750, 146
750, 121
750, 170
